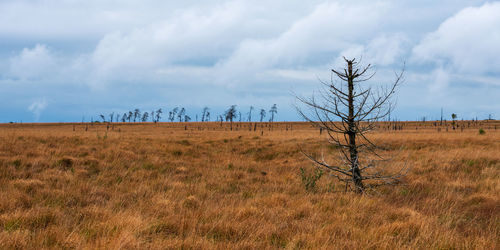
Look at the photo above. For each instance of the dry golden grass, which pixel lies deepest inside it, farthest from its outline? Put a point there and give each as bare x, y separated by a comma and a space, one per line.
203, 186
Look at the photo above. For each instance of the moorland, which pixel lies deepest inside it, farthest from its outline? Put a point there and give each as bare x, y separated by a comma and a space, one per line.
205, 186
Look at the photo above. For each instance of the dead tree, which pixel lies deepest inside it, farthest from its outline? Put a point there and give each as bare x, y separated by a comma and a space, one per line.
250, 114
273, 112
181, 114
172, 114
130, 114
262, 114
137, 114
145, 117
347, 110
111, 117
230, 114
158, 115
204, 113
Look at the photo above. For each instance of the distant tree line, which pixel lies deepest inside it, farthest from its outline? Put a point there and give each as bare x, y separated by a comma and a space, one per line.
180, 114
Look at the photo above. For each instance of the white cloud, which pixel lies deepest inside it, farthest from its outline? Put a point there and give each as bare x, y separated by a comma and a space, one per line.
321, 34
466, 42
440, 80
386, 49
37, 62
82, 19
237, 51
191, 38
37, 107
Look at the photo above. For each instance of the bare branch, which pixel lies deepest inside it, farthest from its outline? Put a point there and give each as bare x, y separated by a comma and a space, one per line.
347, 111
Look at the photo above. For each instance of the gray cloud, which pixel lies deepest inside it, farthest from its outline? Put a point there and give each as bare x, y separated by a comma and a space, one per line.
32, 63
37, 107
195, 53
466, 42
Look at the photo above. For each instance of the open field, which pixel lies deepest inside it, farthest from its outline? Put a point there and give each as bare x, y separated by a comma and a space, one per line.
204, 186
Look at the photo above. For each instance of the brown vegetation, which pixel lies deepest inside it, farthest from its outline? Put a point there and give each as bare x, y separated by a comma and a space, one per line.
199, 185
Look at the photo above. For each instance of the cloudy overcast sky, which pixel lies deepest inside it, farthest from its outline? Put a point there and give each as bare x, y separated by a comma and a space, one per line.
64, 60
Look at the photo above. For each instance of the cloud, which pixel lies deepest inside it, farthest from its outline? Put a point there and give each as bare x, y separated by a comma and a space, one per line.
37, 62
37, 107
466, 42
237, 43
151, 53
313, 39
386, 49
49, 19
192, 38
440, 80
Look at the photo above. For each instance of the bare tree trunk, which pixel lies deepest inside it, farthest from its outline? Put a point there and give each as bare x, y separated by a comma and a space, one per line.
358, 111
356, 174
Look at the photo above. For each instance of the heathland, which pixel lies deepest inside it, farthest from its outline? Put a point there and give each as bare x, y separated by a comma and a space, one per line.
205, 186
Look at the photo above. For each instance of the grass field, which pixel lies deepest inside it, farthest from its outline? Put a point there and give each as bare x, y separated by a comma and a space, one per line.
204, 186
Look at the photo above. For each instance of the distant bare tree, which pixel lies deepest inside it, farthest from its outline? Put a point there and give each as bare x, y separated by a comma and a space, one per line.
230, 114
103, 118
262, 114
250, 114
158, 115
207, 116
273, 112
181, 114
137, 114
453, 117
111, 117
124, 117
441, 122
347, 111
204, 114
172, 114
145, 117
187, 118
129, 117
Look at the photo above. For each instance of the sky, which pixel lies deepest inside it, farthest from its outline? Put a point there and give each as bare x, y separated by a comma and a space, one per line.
71, 60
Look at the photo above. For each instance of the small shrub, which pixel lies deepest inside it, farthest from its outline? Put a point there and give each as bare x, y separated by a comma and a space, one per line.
165, 229
191, 202
230, 188
404, 192
177, 153
17, 163
269, 156
93, 169
481, 131
40, 221
148, 166
247, 195
309, 179
278, 241
12, 225
65, 163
